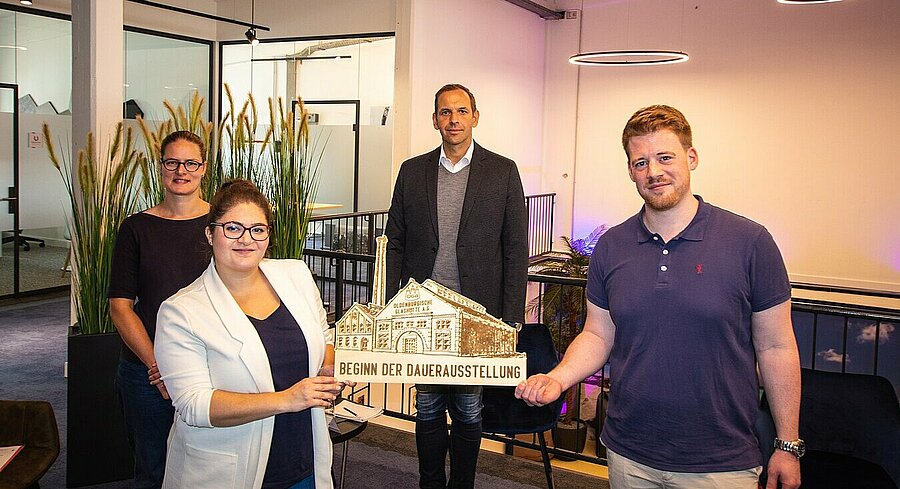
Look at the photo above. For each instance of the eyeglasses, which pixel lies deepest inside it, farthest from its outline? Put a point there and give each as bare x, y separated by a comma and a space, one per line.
236, 230
172, 164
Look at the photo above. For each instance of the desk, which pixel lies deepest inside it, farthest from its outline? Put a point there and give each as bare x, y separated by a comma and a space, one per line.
348, 430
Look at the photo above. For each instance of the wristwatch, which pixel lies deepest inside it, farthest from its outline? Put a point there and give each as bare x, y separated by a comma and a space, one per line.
796, 447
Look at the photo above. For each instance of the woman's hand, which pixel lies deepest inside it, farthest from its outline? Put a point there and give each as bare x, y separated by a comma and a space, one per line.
328, 371
312, 392
156, 379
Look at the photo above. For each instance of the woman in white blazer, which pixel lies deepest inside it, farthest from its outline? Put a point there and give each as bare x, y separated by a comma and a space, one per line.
239, 350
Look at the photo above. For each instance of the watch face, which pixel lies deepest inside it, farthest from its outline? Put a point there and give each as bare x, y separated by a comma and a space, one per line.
801, 448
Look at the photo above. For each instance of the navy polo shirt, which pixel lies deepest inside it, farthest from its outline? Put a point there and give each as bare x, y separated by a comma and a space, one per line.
684, 389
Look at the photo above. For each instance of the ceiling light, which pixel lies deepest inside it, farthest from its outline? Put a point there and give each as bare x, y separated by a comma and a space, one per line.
628, 58
9, 46
251, 36
26, 2
632, 57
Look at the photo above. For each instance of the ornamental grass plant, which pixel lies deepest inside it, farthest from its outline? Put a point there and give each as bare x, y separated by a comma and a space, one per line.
283, 163
103, 189
293, 179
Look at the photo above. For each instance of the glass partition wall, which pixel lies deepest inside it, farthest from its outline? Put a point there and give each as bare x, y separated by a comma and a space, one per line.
347, 84
159, 68
36, 58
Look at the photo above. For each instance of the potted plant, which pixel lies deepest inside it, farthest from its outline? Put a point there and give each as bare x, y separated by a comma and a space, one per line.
292, 180
562, 308
283, 164
103, 189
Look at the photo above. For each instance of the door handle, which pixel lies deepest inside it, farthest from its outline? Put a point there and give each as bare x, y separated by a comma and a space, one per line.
11, 203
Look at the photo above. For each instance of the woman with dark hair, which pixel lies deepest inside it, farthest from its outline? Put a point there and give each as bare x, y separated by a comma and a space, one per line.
158, 251
239, 350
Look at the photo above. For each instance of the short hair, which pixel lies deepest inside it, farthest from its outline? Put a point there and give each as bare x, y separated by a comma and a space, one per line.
453, 86
656, 118
234, 192
182, 136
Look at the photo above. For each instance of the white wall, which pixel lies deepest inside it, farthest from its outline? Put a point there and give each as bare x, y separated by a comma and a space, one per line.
496, 50
793, 110
42, 194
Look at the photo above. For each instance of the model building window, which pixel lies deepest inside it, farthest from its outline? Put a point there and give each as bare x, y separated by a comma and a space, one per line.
442, 342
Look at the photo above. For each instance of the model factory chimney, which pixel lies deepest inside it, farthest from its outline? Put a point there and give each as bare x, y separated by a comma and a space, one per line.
379, 280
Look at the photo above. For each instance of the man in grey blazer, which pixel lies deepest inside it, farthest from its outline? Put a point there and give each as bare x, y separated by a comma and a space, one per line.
458, 217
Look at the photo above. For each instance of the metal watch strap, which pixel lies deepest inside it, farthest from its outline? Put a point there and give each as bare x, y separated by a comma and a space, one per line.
796, 447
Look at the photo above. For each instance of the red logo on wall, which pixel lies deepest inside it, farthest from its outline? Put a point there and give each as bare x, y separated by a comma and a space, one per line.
699, 269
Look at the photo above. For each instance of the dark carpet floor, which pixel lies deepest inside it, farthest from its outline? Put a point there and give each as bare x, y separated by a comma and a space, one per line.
33, 352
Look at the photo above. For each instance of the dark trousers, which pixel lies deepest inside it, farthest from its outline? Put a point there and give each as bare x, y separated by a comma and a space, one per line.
148, 419
433, 441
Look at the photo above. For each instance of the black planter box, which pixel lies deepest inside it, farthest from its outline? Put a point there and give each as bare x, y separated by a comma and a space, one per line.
97, 448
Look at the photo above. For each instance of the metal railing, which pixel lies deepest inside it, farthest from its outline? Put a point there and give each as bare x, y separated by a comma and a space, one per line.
343, 245
540, 222
352, 232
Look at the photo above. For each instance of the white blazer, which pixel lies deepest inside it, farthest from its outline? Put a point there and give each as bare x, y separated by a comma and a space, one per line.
205, 342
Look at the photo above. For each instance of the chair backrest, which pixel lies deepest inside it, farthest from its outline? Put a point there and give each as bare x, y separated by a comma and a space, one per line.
28, 422
502, 412
32, 424
852, 414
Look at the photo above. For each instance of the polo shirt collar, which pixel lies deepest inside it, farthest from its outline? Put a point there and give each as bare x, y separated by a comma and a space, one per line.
693, 232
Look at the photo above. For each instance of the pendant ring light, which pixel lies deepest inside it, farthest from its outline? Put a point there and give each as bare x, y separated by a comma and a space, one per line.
628, 57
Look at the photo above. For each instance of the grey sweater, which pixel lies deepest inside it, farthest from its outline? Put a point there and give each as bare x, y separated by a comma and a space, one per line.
451, 192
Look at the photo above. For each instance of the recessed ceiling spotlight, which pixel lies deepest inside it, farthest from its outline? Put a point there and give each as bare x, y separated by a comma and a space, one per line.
26, 2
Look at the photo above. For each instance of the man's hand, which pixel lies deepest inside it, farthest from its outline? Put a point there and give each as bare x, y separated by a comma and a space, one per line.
539, 390
784, 468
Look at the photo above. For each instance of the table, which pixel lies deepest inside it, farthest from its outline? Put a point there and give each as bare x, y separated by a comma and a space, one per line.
348, 430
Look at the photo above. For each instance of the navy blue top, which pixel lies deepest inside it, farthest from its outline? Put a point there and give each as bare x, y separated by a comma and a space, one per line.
153, 258
684, 389
291, 454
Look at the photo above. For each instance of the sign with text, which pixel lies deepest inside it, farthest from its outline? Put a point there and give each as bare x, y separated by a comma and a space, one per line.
396, 368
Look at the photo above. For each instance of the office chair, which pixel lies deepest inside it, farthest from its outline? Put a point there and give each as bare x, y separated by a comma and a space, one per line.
504, 414
32, 424
851, 426
23, 241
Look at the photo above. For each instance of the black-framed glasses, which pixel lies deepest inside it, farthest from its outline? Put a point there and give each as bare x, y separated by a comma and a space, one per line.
172, 164
235, 230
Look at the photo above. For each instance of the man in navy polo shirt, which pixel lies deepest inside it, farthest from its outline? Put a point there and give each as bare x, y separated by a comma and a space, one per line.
684, 299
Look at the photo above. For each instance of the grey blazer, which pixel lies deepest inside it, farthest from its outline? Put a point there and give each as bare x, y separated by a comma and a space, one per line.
492, 242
